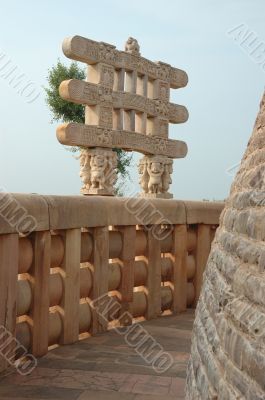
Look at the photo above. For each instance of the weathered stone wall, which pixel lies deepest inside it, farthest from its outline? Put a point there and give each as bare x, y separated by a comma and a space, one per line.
228, 345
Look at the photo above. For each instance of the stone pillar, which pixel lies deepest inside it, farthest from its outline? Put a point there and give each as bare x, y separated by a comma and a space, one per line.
155, 170
98, 165
159, 90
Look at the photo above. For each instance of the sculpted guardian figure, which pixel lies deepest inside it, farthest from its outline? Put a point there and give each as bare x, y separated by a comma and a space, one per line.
98, 165
155, 170
84, 169
155, 176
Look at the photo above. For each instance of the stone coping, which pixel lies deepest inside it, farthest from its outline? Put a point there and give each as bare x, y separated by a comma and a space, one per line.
66, 212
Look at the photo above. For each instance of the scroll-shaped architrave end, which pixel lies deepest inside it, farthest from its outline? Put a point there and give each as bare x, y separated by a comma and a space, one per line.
81, 92
71, 90
74, 134
91, 52
74, 47
66, 46
65, 90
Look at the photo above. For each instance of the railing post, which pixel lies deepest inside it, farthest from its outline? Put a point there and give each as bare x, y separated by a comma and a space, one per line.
71, 277
8, 296
153, 254
127, 257
100, 261
202, 253
40, 272
179, 258
127, 272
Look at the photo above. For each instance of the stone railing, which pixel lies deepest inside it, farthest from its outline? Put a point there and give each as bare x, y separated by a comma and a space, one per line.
147, 254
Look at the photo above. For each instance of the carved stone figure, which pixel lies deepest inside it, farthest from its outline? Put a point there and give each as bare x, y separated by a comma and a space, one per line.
155, 171
98, 171
84, 168
144, 177
155, 176
98, 166
132, 46
166, 179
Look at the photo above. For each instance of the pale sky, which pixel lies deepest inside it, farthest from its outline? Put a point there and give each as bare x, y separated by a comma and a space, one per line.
225, 84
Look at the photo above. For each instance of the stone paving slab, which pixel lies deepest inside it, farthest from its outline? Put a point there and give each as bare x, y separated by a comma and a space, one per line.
105, 367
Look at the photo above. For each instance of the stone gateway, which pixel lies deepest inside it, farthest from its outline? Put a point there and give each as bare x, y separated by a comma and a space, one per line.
126, 99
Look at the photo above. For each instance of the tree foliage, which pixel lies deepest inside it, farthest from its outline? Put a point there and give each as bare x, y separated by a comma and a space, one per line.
66, 111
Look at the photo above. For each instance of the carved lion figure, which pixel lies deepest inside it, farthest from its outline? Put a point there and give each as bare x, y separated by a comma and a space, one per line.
132, 46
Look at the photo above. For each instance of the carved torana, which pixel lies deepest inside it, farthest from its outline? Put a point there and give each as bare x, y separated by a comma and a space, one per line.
127, 106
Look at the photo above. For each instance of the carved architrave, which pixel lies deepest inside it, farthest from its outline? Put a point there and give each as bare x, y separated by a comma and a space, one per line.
155, 176
82, 92
74, 134
91, 52
98, 171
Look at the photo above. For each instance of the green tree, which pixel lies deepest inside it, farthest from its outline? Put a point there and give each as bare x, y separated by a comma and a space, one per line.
69, 112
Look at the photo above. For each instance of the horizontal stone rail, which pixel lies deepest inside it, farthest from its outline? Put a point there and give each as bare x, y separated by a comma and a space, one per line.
60, 254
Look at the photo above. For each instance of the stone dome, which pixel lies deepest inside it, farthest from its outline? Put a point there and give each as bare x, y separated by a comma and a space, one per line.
228, 344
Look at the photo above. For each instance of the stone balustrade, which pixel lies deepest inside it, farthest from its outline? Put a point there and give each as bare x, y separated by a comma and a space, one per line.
148, 255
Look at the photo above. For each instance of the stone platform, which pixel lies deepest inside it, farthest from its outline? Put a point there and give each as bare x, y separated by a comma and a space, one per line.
106, 368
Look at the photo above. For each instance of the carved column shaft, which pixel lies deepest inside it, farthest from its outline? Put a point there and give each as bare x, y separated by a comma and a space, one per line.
155, 171
98, 166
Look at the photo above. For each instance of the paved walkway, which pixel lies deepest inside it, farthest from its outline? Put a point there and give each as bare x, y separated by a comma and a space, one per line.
105, 368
